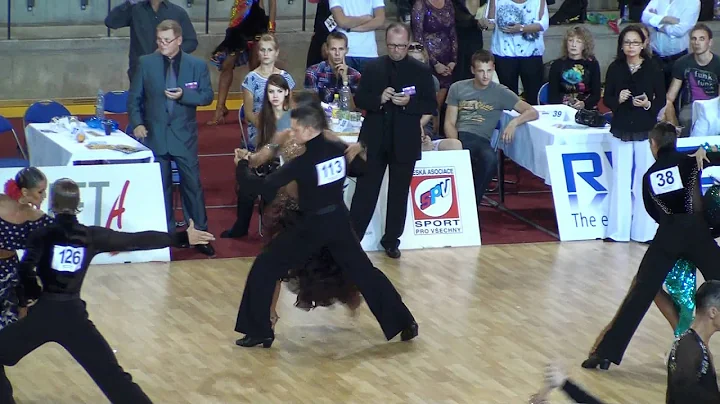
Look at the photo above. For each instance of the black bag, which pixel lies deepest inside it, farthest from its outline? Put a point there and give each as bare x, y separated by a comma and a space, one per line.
591, 118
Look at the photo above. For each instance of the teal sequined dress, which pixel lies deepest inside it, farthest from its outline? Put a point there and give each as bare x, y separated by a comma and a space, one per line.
680, 282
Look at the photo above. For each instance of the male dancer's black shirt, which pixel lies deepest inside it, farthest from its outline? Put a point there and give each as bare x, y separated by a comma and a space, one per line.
319, 172
672, 184
62, 252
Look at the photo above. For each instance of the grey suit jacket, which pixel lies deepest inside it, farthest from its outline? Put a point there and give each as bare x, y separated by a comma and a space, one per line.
174, 134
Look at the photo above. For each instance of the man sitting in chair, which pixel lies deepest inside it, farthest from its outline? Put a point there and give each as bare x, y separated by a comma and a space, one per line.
474, 107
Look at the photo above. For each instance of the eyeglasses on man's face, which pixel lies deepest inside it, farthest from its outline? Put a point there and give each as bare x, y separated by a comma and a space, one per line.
164, 41
397, 46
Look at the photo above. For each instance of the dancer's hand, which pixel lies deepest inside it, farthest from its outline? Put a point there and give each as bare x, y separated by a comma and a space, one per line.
701, 157
555, 376
196, 236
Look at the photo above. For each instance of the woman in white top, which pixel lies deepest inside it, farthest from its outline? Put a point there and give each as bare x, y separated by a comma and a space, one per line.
517, 42
254, 83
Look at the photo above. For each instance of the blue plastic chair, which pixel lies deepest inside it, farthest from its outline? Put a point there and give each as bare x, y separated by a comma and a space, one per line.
543, 94
116, 102
44, 111
6, 126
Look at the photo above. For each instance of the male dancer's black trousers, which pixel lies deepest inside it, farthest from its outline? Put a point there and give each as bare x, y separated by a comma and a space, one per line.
678, 236
367, 191
293, 247
63, 319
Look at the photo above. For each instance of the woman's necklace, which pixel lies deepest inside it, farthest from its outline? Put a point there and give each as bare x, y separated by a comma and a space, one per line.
634, 67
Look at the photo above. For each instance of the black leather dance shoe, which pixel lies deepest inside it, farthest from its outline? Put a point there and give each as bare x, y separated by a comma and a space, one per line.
594, 361
410, 332
248, 341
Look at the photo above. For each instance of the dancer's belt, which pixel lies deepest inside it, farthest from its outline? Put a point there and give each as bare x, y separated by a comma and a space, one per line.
60, 297
325, 210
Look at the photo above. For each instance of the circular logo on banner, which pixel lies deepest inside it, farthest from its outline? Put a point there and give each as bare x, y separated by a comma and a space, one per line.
434, 196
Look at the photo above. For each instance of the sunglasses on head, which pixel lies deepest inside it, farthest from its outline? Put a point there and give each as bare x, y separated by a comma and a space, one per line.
416, 47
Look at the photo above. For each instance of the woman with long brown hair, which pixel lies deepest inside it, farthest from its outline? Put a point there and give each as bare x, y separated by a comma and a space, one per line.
273, 121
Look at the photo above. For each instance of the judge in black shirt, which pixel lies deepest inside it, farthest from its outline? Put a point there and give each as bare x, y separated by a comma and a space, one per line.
691, 369
635, 93
395, 91
320, 174
672, 196
62, 253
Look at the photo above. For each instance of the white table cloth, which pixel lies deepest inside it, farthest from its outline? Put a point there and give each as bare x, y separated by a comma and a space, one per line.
50, 146
556, 126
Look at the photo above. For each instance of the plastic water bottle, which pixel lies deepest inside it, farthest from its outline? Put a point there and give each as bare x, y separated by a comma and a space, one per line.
336, 106
345, 97
626, 13
100, 106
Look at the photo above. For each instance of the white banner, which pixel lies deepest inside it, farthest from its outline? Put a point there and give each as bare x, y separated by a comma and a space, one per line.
127, 197
581, 177
442, 211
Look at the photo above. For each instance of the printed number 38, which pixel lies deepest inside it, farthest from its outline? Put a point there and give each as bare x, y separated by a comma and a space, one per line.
665, 178
70, 257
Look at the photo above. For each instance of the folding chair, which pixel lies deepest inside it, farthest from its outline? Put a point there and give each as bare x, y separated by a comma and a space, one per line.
5, 126
44, 111
116, 102
543, 94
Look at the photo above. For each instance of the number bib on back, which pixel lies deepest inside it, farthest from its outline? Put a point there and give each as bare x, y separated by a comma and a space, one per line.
67, 258
330, 171
666, 180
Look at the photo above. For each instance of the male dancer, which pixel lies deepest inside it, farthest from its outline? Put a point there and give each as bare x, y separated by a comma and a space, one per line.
62, 253
320, 174
671, 191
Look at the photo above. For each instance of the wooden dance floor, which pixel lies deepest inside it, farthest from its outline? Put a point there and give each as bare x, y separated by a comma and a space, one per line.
490, 319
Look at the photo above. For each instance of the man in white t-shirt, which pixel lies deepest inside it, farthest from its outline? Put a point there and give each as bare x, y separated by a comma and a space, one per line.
359, 19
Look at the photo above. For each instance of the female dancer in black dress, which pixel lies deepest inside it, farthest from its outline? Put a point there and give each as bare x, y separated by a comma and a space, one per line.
19, 216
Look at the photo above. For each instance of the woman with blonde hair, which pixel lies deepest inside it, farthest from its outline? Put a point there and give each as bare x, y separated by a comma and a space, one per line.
575, 77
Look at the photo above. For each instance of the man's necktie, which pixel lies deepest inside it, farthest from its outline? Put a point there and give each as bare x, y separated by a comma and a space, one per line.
170, 82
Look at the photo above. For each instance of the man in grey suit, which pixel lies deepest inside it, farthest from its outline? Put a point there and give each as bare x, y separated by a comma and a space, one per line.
167, 88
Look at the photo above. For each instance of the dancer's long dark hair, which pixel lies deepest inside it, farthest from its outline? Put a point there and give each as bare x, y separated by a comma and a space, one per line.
268, 120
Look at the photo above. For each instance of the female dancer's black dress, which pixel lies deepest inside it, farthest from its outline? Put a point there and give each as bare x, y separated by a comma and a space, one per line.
320, 282
13, 237
247, 21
